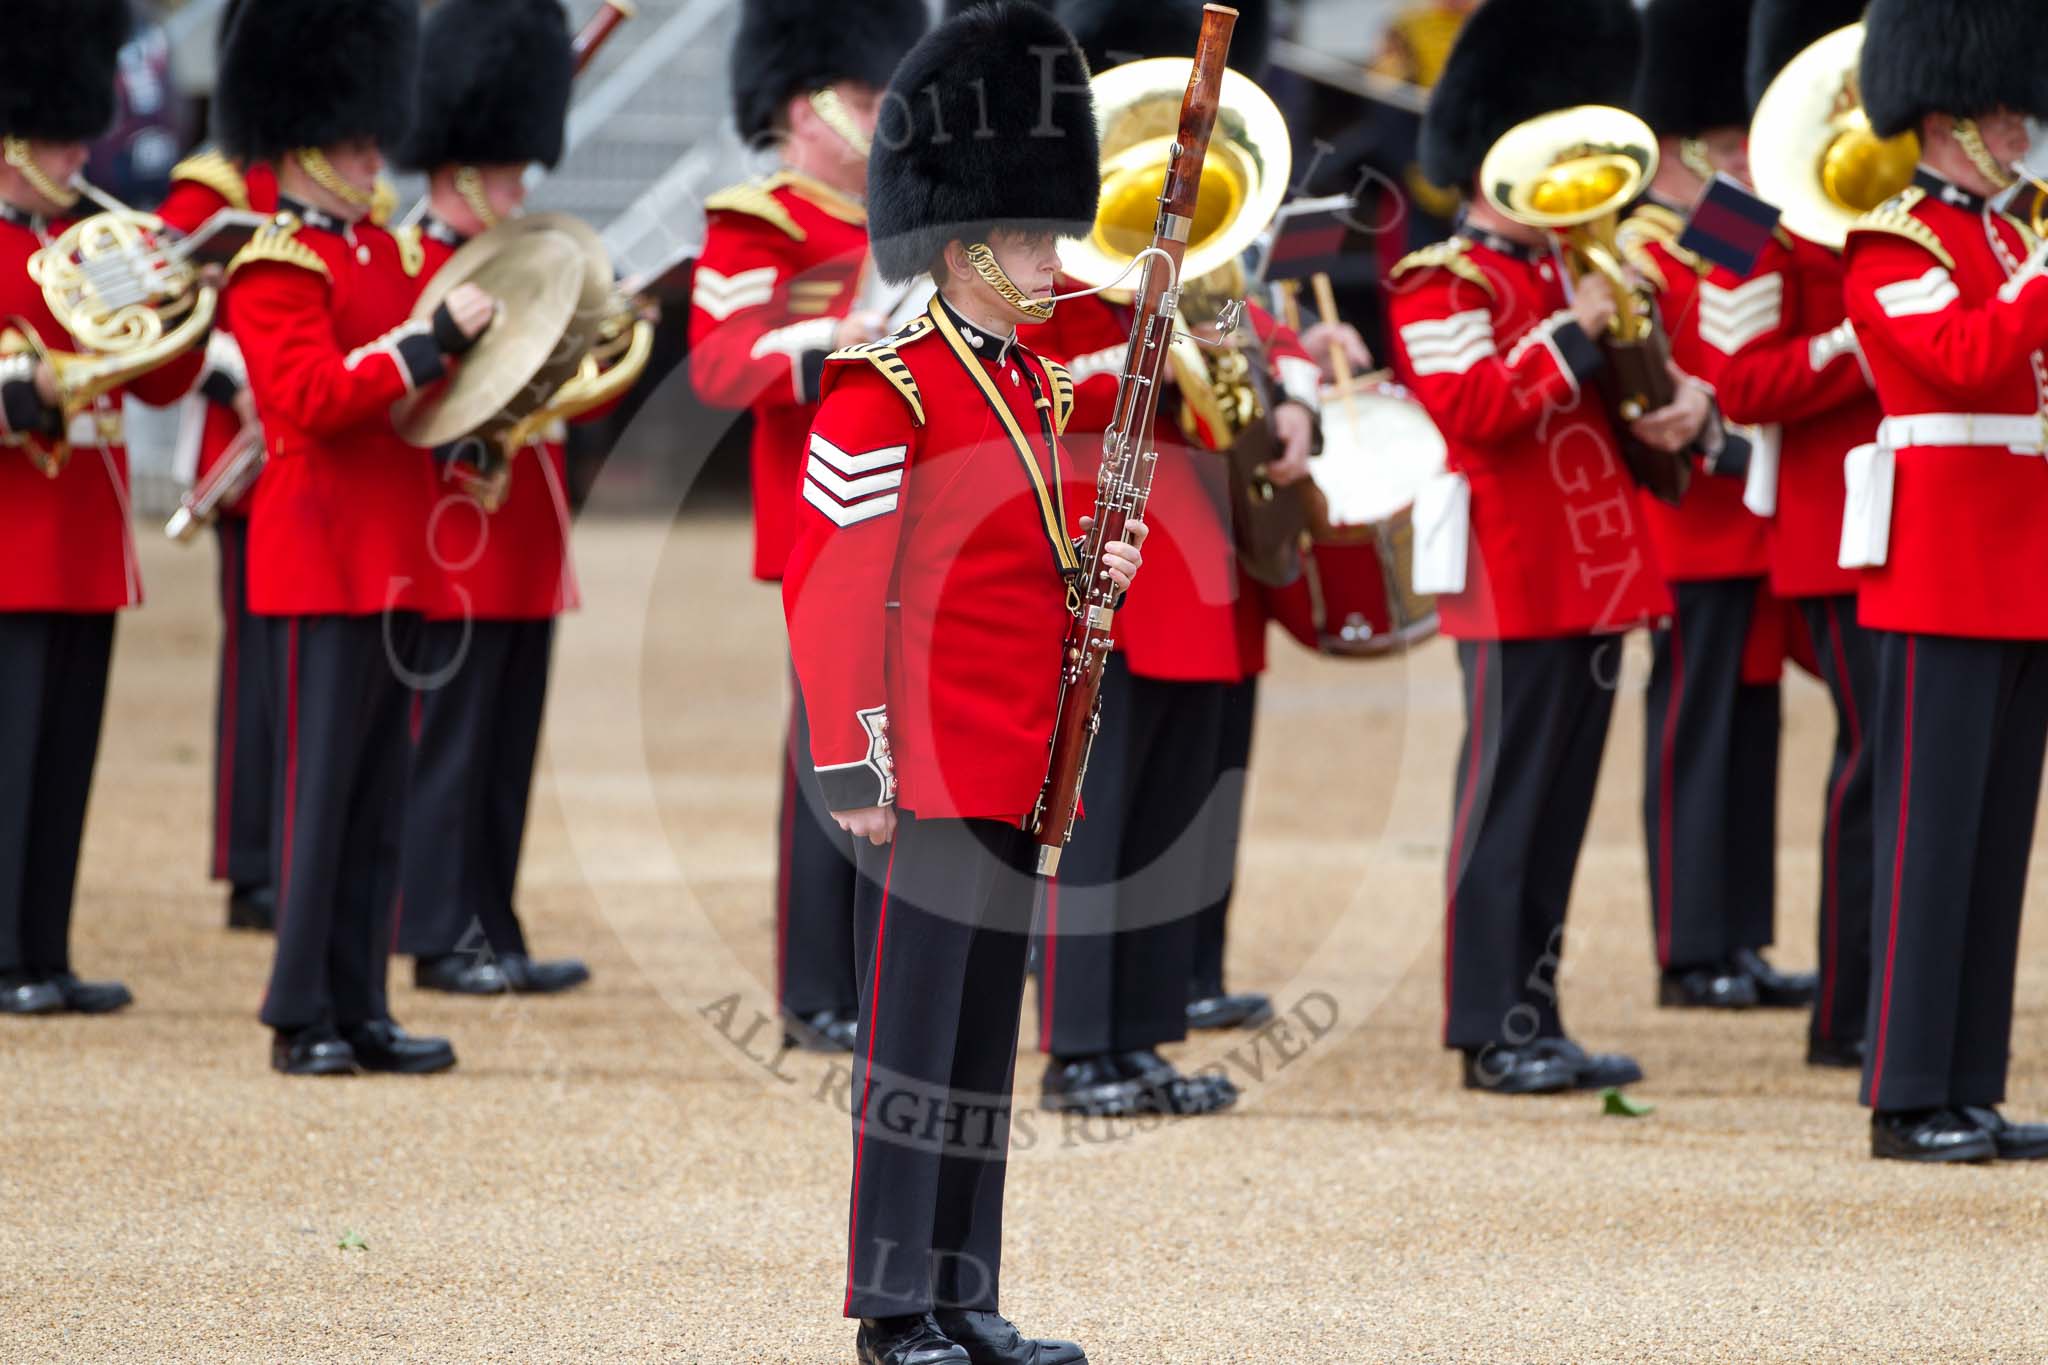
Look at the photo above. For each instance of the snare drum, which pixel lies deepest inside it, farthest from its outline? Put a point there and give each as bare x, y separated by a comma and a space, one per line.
1356, 596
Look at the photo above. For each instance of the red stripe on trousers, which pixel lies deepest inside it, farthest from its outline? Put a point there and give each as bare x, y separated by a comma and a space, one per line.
1666, 781
1459, 826
1048, 975
291, 760
860, 1141
224, 755
1891, 951
1840, 794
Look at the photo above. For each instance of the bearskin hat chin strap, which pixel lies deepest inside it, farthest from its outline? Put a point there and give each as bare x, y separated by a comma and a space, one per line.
316, 165
1692, 152
833, 111
1972, 143
991, 271
469, 183
23, 160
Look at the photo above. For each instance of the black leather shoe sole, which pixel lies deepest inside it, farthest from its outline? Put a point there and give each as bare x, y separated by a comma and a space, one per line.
1886, 1145
329, 1061
1674, 994
1230, 1011
96, 997
1112, 1099
546, 978
1549, 1076
420, 1062
1842, 1054
458, 977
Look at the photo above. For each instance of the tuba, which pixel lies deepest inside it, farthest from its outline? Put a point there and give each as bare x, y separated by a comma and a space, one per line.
1577, 171
127, 291
1812, 153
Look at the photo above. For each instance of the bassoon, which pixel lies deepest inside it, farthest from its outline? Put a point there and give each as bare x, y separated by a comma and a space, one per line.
1128, 456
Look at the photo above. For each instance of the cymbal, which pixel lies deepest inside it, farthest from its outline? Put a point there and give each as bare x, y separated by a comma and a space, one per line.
538, 277
597, 260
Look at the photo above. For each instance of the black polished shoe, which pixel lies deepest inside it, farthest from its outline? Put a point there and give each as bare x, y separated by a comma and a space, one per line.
1591, 1070
92, 997
1089, 1085
384, 1046
1518, 1071
914, 1340
825, 1031
19, 995
316, 1051
1220, 1011
1164, 1089
1706, 988
2013, 1141
992, 1339
1776, 990
459, 974
1933, 1135
253, 908
530, 976
1845, 1054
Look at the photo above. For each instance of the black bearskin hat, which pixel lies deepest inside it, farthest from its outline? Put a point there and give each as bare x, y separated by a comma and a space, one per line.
311, 73
948, 163
494, 85
1691, 76
1112, 32
1925, 57
1516, 59
60, 59
1780, 30
793, 47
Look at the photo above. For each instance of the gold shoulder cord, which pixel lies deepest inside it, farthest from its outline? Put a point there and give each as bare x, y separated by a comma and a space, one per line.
882, 355
412, 250
1895, 216
756, 201
277, 241
1062, 394
1446, 255
216, 173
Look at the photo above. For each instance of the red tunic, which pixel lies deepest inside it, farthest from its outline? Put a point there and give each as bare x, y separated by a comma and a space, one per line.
1558, 542
202, 186
511, 564
68, 545
340, 522
1711, 534
1782, 354
926, 590
781, 268
1954, 323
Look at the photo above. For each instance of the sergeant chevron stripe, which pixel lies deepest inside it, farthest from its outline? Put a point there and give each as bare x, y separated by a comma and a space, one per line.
1930, 293
851, 488
723, 295
1449, 345
1732, 318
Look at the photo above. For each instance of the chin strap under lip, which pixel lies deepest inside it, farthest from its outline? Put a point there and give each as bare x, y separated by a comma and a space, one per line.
1972, 142
316, 165
833, 111
469, 183
18, 155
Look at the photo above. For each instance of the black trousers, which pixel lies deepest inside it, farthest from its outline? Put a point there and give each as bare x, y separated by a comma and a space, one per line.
1960, 730
1119, 923
944, 920
1536, 717
1710, 781
814, 886
53, 695
244, 750
1848, 664
1233, 767
344, 704
475, 737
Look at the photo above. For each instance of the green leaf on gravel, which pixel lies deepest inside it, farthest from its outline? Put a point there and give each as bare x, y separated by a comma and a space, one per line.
1614, 1104
353, 1241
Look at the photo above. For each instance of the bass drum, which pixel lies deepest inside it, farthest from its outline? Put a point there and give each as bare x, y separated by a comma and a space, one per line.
1356, 595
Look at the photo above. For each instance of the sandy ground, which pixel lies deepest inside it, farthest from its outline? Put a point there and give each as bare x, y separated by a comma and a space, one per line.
610, 1176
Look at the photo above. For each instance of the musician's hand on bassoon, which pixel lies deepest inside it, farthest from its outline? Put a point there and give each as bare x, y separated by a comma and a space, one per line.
1120, 558
876, 824
1677, 425
1595, 306
1295, 425
857, 327
1326, 337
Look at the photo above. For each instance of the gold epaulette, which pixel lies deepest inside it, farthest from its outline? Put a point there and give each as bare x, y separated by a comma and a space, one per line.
277, 240
1655, 223
412, 251
216, 173
756, 200
1062, 394
1445, 255
882, 354
383, 202
1895, 215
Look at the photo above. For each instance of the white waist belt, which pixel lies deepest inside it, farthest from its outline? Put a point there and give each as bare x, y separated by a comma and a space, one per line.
2009, 431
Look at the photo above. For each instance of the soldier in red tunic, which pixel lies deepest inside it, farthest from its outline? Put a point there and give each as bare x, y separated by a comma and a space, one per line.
67, 559
780, 285
1782, 356
341, 569
493, 93
927, 599
1710, 775
1949, 297
1559, 561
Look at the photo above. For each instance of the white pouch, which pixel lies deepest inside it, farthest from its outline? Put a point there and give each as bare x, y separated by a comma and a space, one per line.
1867, 514
1443, 534
1760, 489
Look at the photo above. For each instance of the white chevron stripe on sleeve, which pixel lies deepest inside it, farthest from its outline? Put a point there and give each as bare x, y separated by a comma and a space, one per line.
1453, 358
865, 510
1930, 293
853, 466
1731, 319
723, 295
851, 490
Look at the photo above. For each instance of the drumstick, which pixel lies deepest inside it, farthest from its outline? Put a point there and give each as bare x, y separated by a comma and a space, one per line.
1290, 305
1340, 364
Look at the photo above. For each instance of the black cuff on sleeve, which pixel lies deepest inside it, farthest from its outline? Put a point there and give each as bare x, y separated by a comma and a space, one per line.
423, 356
1582, 355
220, 387
25, 411
855, 788
810, 367
448, 338
1733, 461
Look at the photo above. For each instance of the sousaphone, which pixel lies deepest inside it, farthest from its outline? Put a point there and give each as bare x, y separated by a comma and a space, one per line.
1812, 153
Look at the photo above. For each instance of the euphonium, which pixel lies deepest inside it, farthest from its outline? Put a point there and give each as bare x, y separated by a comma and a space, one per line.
1811, 151
128, 297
